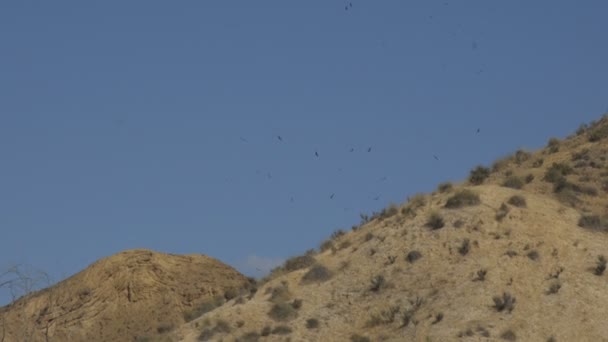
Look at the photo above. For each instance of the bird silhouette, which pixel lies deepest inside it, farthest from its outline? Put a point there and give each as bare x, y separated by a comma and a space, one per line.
279, 137
369, 149
478, 130
243, 139
352, 149
376, 198
332, 196
436, 158
316, 153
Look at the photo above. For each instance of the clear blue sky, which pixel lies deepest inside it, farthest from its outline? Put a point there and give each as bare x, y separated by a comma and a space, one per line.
149, 124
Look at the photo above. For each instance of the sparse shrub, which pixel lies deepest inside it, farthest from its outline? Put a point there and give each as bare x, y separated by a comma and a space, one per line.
203, 308
231, 293
279, 294
502, 212
511, 253
282, 312
581, 155
391, 211
601, 266
298, 262
326, 245
529, 178
551, 339
517, 201
364, 218
464, 247
337, 234
378, 282
296, 304
438, 318
478, 175
368, 237
553, 145
504, 303
513, 182
538, 162
501, 164
266, 331
462, 198
598, 133
359, 338
445, 187
417, 201
521, 156
593, 222
282, 330
508, 335
165, 328
582, 129
458, 223
568, 197
344, 244
312, 323
533, 255
413, 256
481, 275
317, 273
384, 317
435, 221
556, 172
221, 327
554, 288
589, 190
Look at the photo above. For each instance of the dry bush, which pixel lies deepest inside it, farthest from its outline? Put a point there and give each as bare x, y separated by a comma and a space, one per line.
282, 330
298, 262
435, 221
553, 145
593, 222
282, 312
517, 201
445, 187
464, 247
478, 175
601, 266
508, 335
377, 283
359, 338
312, 323
513, 182
502, 212
412, 256
462, 198
504, 303
203, 308
386, 316
317, 273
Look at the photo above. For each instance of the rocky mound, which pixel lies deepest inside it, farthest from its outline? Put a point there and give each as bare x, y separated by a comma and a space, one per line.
135, 295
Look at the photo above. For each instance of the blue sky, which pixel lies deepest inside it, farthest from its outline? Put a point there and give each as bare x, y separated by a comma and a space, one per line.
154, 124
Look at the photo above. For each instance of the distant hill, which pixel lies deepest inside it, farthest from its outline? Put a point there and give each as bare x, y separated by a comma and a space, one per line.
131, 296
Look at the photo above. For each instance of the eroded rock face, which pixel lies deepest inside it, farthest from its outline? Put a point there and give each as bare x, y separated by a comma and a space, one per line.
124, 297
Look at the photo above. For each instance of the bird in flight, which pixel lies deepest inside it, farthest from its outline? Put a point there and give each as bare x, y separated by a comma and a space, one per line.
478, 130
369, 149
436, 158
279, 137
316, 153
352, 149
243, 139
332, 196
376, 198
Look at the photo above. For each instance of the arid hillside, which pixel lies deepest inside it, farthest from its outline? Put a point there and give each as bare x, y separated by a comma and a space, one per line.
517, 252
135, 295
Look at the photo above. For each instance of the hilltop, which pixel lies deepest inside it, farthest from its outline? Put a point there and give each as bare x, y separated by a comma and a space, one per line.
129, 296
515, 252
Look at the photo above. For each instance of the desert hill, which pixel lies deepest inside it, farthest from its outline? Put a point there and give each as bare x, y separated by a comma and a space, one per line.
131, 296
514, 253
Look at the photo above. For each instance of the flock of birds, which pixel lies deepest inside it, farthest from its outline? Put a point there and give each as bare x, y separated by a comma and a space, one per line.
317, 155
